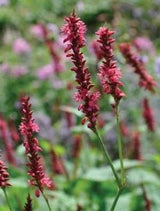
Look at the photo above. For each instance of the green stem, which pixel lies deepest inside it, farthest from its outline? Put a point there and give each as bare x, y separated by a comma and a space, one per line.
47, 202
106, 154
7, 200
116, 199
123, 177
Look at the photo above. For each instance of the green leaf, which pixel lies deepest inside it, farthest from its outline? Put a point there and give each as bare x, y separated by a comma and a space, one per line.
104, 173
123, 203
19, 182
98, 174
71, 110
138, 176
127, 164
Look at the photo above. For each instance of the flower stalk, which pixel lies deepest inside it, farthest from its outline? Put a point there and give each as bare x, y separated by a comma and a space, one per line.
119, 140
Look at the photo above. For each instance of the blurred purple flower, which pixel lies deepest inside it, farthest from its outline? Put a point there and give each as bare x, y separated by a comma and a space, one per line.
53, 28
143, 44
59, 41
143, 58
44, 122
45, 72
157, 66
36, 31
19, 71
5, 68
58, 84
21, 46
4, 2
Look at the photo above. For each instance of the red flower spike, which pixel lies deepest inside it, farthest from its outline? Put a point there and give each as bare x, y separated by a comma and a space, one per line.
14, 133
124, 129
28, 205
74, 30
4, 133
4, 175
57, 165
27, 128
147, 114
109, 73
69, 119
51, 47
146, 80
77, 146
136, 145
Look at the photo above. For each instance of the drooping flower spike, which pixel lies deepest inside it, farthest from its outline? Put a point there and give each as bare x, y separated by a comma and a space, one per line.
109, 73
27, 128
146, 80
74, 31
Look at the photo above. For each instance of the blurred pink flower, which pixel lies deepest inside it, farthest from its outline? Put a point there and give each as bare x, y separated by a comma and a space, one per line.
18, 71
45, 72
4, 2
36, 31
53, 28
21, 46
143, 44
5, 68
59, 41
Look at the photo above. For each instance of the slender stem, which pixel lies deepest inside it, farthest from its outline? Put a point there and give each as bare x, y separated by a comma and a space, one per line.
107, 157
7, 200
119, 139
116, 199
47, 202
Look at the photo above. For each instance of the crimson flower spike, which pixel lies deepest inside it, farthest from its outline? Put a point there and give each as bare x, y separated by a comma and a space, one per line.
148, 115
4, 175
109, 73
136, 146
28, 205
13, 131
4, 178
146, 80
51, 47
4, 133
57, 164
74, 30
77, 146
27, 128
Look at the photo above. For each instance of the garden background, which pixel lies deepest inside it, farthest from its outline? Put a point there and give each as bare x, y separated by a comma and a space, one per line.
70, 152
